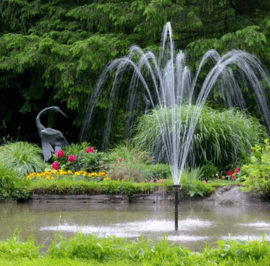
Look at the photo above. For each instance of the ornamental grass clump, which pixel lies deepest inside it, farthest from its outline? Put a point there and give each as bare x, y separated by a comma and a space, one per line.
221, 137
22, 157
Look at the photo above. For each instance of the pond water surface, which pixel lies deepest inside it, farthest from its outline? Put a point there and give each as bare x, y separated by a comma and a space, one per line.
198, 223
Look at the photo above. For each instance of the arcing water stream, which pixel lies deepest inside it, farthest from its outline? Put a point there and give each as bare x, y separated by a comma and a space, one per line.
172, 86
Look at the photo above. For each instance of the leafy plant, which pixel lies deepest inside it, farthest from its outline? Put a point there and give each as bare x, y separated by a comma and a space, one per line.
192, 185
126, 162
15, 248
155, 171
12, 187
243, 250
22, 157
84, 158
256, 174
209, 171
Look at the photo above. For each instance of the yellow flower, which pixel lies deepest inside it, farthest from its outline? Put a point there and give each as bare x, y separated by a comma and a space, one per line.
102, 173
106, 178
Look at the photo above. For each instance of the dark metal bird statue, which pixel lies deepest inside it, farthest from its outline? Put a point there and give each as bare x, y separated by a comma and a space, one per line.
52, 140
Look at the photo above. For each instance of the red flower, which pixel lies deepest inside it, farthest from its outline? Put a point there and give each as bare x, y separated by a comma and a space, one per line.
237, 170
233, 177
55, 165
230, 173
204, 181
72, 158
89, 150
60, 154
120, 159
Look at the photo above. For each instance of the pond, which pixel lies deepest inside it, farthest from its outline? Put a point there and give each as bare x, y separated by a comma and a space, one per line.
198, 222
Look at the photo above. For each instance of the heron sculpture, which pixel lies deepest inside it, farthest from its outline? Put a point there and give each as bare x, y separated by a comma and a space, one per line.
52, 140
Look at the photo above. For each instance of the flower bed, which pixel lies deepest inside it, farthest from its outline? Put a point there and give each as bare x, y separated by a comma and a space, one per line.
60, 174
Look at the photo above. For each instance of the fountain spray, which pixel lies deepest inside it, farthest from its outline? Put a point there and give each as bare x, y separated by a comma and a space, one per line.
172, 88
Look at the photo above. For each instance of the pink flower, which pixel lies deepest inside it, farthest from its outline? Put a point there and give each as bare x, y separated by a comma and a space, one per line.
159, 181
72, 158
204, 181
60, 154
237, 170
152, 180
230, 173
89, 150
233, 177
55, 165
120, 159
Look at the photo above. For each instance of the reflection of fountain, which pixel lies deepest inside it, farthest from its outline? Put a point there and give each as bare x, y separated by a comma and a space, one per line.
171, 86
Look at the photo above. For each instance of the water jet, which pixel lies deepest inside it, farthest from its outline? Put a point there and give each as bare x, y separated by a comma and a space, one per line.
172, 86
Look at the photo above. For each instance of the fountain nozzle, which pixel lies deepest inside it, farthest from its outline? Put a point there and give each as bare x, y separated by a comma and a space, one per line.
176, 190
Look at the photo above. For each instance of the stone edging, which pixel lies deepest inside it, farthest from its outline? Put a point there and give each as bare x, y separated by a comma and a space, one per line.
228, 195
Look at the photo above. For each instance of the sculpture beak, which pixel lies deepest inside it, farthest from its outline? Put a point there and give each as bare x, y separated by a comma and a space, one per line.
62, 113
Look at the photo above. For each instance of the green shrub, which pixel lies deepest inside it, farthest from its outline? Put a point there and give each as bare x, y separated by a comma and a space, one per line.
12, 187
155, 171
191, 184
209, 171
220, 137
130, 154
22, 157
126, 162
89, 161
256, 174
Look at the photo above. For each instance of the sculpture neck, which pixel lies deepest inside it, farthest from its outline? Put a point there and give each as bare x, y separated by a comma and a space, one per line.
39, 125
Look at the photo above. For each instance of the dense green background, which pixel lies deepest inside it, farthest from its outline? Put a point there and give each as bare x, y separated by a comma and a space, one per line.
52, 52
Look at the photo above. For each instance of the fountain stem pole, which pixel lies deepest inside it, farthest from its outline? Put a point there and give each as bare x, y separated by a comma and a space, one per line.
176, 190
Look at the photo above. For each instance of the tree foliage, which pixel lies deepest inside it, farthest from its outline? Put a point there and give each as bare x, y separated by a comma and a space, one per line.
52, 52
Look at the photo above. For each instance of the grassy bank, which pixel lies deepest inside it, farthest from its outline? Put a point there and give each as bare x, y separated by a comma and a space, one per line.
91, 250
129, 188
75, 183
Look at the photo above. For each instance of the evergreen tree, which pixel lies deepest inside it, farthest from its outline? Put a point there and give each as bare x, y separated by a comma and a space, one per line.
52, 52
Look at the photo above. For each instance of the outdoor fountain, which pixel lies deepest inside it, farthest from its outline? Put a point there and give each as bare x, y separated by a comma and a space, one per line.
173, 87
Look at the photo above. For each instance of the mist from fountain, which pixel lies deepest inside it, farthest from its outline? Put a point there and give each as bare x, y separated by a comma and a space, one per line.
172, 86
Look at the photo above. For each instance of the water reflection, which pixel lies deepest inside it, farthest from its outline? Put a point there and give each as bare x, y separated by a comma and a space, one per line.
198, 222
